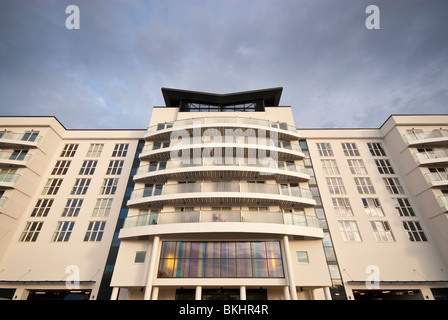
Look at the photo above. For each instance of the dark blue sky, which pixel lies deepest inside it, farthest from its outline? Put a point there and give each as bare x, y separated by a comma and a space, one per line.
334, 71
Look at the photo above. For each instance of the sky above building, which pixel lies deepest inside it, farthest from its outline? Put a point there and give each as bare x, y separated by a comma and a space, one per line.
335, 72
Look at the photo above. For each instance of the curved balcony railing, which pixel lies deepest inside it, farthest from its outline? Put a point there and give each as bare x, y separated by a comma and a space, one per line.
431, 155
422, 136
222, 216
222, 121
16, 138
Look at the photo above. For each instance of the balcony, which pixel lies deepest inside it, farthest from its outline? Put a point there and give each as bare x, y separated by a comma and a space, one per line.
437, 179
443, 201
232, 192
15, 140
222, 221
432, 158
14, 158
162, 171
435, 138
7, 180
163, 131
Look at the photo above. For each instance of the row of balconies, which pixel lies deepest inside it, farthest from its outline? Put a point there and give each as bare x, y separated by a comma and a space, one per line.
434, 138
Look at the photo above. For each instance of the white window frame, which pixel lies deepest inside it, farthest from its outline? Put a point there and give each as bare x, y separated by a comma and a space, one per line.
382, 231
364, 185
349, 231
357, 166
330, 166
350, 149
336, 186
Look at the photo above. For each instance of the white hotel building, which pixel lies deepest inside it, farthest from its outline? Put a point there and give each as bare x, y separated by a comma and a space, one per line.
222, 197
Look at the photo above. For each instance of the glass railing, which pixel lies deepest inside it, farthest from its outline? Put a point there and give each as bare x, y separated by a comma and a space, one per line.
3, 201
222, 120
428, 155
9, 177
16, 156
222, 187
443, 201
277, 217
425, 135
24, 137
436, 176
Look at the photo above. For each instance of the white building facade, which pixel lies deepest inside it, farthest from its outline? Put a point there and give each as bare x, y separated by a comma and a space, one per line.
222, 197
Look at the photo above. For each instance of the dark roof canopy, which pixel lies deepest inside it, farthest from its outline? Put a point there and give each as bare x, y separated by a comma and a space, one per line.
270, 97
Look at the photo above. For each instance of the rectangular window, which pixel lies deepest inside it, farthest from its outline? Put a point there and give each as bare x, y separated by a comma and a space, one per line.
72, 207
152, 190
372, 207
61, 167
160, 144
157, 165
120, 150
30, 136
384, 166
414, 231
364, 185
325, 149
63, 231
335, 186
349, 231
256, 259
19, 155
393, 186
42, 208
102, 208
350, 149
357, 166
52, 187
81, 186
404, 207
376, 149
95, 150
342, 207
69, 150
140, 257
162, 126
302, 257
115, 167
329, 166
109, 186
95, 231
88, 167
382, 231
31, 231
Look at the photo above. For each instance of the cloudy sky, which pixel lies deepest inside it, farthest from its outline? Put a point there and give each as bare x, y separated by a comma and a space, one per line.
334, 71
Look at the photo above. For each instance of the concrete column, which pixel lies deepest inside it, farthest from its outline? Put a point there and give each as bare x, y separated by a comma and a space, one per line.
242, 293
115, 292
155, 293
292, 283
286, 293
151, 267
327, 293
198, 293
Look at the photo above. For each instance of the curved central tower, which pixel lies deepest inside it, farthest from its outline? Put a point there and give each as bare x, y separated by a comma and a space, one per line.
221, 206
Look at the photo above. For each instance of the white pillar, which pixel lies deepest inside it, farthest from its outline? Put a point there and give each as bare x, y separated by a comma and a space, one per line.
292, 283
151, 267
155, 293
115, 292
198, 293
242, 293
327, 293
286, 293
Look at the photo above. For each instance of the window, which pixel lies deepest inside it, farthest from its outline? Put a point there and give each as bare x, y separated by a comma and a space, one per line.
81, 186
69, 150
372, 207
404, 207
364, 185
120, 150
162, 126
342, 207
335, 186
140, 257
95, 150
350, 149
393, 186
152, 190
324, 149
31, 231
160, 144
233, 259
61, 167
382, 232
183, 209
376, 149
115, 167
302, 257
102, 208
52, 187
109, 186
95, 231
42, 208
349, 231
63, 231
357, 166
88, 167
295, 217
19, 155
384, 166
414, 231
329, 166
157, 165
72, 207
30, 136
